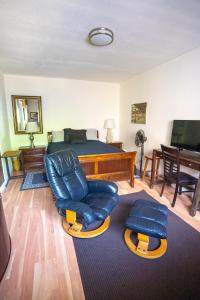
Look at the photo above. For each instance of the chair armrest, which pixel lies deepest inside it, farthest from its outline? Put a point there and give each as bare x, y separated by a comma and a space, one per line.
95, 186
82, 209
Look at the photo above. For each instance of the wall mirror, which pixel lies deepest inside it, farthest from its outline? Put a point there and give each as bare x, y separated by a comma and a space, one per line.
27, 114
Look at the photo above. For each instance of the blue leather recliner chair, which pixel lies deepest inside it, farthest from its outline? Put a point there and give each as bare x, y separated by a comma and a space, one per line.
82, 203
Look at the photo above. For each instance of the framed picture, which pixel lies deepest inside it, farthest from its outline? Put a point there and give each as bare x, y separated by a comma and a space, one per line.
33, 116
138, 113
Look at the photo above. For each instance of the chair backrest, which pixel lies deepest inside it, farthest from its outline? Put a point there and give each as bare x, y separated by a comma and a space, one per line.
171, 162
65, 176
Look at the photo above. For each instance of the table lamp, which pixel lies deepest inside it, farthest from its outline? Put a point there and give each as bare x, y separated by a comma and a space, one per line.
31, 128
109, 124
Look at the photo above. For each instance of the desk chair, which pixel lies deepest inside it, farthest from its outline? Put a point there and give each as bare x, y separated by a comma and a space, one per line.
172, 174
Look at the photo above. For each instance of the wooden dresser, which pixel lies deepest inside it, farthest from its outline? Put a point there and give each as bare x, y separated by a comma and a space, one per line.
32, 159
5, 244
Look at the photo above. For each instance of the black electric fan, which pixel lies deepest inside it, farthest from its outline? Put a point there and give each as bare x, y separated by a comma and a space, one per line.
140, 139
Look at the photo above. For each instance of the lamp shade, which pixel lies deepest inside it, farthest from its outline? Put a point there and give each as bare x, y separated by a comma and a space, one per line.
109, 123
32, 127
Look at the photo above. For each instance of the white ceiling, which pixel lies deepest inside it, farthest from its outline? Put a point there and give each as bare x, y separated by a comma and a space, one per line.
49, 37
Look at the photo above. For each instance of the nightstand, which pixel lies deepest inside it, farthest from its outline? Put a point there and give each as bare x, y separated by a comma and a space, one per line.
11, 154
32, 158
116, 144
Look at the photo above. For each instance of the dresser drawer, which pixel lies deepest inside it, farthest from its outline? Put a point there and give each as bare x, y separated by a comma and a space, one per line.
33, 166
33, 158
191, 165
34, 151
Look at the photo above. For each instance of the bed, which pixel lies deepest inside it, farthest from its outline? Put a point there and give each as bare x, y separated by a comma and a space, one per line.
99, 160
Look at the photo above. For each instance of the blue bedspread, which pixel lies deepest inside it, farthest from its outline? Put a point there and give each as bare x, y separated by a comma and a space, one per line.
91, 147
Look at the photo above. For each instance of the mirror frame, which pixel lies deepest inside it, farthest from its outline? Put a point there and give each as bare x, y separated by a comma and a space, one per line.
14, 100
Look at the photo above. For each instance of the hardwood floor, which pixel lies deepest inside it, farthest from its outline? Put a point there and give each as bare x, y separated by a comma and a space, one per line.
43, 263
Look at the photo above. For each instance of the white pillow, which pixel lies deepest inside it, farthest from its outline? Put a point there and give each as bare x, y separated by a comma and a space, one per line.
58, 136
91, 134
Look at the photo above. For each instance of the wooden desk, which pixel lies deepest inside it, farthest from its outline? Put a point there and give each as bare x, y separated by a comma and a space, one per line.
188, 159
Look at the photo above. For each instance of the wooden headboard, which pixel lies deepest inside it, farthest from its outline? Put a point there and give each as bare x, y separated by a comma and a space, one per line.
50, 136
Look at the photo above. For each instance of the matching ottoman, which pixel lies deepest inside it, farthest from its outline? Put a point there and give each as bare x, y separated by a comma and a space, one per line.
147, 219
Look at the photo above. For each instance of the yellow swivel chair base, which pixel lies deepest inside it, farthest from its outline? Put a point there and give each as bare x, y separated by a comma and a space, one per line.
74, 229
150, 218
142, 247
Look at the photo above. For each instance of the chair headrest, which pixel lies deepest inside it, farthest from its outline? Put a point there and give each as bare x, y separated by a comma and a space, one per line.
64, 161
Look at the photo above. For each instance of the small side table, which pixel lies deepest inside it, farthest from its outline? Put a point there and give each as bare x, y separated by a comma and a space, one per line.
32, 158
116, 144
150, 158
10, 154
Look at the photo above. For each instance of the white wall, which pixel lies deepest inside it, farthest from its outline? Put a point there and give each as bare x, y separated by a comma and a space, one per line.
171, 90
65, 103
4, 130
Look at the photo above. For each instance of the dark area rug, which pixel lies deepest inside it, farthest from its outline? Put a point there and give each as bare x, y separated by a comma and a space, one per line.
110, 271
34, 180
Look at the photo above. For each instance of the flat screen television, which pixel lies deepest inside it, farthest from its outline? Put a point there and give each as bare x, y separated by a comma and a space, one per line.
186, 134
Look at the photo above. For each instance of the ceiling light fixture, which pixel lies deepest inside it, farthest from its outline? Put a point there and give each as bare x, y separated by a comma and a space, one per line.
100, 36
